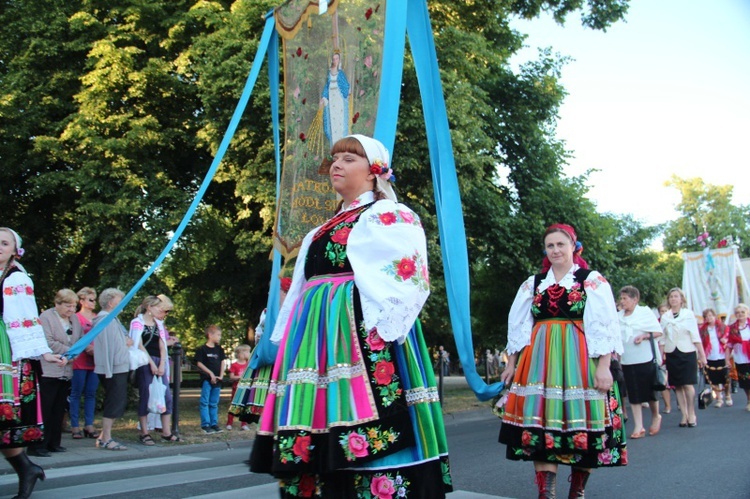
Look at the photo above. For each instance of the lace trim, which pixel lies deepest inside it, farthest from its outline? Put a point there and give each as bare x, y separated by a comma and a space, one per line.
394, 322
603, 338
519, 336
558, 393
311, 376
421, 395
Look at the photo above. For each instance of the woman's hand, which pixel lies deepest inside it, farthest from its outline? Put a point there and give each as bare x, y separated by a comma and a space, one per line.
129, 342
154, 369
603, 377
160, 371
507, 375
55, 358
638, 339
702, 362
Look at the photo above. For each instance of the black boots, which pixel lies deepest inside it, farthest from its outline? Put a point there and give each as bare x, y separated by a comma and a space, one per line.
28, 473
578, 479
546, 482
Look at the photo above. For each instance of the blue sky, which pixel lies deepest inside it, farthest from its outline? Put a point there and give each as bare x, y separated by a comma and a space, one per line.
666, 92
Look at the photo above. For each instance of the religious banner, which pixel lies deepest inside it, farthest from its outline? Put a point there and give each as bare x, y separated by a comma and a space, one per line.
713, 278
331, 87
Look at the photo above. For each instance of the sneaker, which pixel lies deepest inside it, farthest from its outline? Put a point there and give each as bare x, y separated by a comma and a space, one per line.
216, 429
207, 430
229, 427
245, 427
729, 402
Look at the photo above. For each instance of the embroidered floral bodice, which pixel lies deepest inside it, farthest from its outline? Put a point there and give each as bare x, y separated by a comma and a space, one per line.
383, 244
587, 298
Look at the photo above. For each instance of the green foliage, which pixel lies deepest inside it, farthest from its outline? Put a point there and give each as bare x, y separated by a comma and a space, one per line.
112, 112
705, 208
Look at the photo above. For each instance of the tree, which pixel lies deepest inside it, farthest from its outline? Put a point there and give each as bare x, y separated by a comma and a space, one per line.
112, 112
705, 208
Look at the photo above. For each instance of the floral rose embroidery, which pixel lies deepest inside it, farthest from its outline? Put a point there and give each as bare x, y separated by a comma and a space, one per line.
6, 412
387, 218
15, 324
549, 441
29, 290
605, 457
301, 448
580, 441
341, 236
525, 438
374, 341
406, 268
27, 387
384, 372
358, 445
382, 487
616, 422
306, 486
574, 297
407, 216
28, 323
31, 434
8, 291
612, 403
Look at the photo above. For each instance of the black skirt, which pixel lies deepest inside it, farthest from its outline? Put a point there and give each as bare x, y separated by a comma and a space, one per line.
682, 368
717, 372
639, 380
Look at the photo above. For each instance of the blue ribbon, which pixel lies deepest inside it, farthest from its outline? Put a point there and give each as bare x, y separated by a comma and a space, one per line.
447, 197
79, 346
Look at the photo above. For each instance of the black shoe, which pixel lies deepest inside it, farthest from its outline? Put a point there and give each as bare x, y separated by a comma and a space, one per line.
38, 452
207, 430
28, 473
59, 448
216, 429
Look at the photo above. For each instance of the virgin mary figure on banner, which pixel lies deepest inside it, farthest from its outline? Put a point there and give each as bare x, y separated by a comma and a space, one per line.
335, 102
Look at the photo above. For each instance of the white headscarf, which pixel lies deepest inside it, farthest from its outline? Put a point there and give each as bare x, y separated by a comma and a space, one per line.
377, 153
19, 250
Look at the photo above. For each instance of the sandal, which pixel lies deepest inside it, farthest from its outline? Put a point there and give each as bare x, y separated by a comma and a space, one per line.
171, 438
110, 445
146, 440
89, 434
76, 433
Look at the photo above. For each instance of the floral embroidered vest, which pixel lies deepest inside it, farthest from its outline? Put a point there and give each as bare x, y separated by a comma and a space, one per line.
327, 253
558, 302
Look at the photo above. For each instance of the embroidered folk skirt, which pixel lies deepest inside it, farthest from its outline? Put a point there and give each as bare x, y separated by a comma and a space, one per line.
717, 372
20, 409
347, 414
250, 397
553, 413
743, 375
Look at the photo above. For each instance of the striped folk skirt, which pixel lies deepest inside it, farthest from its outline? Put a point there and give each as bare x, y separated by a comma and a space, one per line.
553, 413
347, 413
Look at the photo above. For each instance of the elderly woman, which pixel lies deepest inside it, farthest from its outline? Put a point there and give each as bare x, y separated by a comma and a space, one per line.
683, 353
563, 405
639, 328
714, 336
739, 347
149, 334
112, 363
353, 409
85, 382
21, 339
62, 329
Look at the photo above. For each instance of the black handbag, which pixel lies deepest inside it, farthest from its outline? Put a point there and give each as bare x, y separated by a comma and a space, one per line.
659, 377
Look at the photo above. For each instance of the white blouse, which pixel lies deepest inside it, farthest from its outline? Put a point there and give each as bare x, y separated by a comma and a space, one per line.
641, 321
387, 250
600, 322
21, 316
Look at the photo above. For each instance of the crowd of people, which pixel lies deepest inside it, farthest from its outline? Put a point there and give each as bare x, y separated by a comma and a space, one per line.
346, 402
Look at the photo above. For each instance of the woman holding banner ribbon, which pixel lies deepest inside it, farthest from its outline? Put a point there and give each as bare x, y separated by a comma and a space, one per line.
353, 410
563, 406
21, 339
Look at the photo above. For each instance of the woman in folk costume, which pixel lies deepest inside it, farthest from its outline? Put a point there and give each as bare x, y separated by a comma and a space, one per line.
714, 335
739, 347
353, 409
252, 389
21, 339
563, 406
683, 352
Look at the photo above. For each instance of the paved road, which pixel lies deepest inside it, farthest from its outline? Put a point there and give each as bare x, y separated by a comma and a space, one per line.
710, 460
